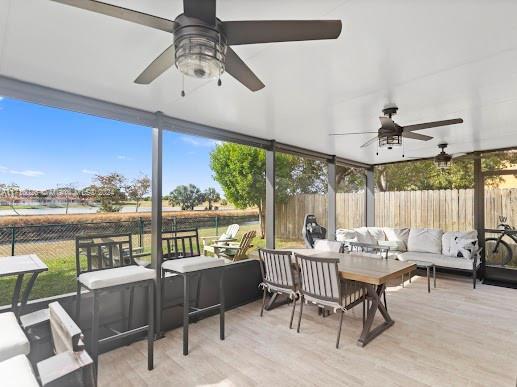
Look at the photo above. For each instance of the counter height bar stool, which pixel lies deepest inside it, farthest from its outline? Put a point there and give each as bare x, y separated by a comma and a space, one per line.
188, 268
115, 271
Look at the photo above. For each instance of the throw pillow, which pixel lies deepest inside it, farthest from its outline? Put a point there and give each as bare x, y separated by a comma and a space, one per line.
449, 237
425, 240
364, 236
463, 248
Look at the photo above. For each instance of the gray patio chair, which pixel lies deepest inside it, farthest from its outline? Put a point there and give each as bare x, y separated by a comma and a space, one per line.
112, 275
321, 284
279, 276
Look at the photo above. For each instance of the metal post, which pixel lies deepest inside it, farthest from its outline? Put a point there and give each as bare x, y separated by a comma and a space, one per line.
13, 240
479, 206
370, 199
216, 225
156, 216
270, 197
331, 198
140, 232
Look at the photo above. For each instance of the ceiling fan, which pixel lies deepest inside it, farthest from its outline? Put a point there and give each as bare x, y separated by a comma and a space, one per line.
201, 44
443, 160
390, 133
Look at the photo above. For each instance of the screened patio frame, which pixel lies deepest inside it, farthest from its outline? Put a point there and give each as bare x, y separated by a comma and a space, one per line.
159, 123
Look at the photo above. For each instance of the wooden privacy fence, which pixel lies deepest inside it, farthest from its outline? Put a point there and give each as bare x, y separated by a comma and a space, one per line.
449, 210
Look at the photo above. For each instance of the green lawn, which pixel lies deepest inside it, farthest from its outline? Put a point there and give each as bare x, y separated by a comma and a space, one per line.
60, 259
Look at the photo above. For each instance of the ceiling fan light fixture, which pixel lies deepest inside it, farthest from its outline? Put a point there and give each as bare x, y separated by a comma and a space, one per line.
200, 57
390, 141
443, 160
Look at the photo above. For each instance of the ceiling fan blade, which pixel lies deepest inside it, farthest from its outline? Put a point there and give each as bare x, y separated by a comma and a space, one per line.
122, 13
426, 125
200, 9
387, 123
369, 142
416, 136
163, 62
269, 31
349, 133
459, 155
236, 67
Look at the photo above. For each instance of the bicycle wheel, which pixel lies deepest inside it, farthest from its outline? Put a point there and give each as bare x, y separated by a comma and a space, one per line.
497, 252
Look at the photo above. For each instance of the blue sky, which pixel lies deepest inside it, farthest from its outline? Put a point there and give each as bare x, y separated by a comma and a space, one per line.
44, 147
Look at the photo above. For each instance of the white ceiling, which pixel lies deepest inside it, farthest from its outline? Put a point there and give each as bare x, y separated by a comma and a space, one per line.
435, 59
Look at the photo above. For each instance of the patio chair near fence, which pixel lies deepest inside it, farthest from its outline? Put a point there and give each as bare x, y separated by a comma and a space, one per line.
228, 236
108, 277
320, 284
180, 244
236, 251
279, 276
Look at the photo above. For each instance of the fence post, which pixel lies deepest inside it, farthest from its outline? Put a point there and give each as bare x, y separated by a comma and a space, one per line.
216, 225
13, 239
140, 232
173, 223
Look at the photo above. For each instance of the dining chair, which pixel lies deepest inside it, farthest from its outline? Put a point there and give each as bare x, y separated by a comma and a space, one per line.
321, 285
279, 276
115, 270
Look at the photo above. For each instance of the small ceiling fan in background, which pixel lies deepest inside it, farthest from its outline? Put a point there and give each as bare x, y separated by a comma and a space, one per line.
390, 133
443, 160
201, 44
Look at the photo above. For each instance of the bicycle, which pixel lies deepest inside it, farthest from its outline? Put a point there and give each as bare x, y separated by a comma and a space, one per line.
500, 247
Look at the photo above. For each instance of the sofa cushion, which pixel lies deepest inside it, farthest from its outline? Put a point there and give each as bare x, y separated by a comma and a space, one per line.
345, 235
376, 232
425, 240
449, 247
17, 372
397, 235
364, 236
438, 259
13, 341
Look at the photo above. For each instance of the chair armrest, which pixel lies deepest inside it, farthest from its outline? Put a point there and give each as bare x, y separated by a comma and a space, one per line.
67, 368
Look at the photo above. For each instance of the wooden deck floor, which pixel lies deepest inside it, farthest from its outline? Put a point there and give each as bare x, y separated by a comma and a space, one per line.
455, 336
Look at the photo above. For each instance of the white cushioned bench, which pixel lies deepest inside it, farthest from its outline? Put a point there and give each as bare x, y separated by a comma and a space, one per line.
185, 265
13, 341
17, 372
118, 276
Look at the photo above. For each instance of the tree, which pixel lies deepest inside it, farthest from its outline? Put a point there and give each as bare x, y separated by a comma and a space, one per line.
137, 190
108, 190
187, 197
66, 193
241, 172
425, 175
11, 193
211, 196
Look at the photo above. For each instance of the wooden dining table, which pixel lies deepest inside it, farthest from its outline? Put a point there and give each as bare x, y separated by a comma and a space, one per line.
374, 273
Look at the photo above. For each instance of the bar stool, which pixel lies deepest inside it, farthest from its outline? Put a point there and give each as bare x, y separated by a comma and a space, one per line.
111, 268
187, 268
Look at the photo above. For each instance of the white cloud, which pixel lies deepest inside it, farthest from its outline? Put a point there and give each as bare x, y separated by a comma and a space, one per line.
3, 169
197, 141
89, 172
1, 98
122, 157
27, 172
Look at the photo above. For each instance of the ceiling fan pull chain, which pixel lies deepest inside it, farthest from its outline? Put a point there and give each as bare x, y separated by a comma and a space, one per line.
183, 86
403, 151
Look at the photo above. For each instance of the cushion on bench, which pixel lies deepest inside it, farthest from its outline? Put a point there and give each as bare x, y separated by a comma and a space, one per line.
185, 265
425, 240
13, 341
438, 260
117, 276
17, 372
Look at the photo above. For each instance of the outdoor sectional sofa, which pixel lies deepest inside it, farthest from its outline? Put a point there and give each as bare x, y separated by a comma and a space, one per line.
454, 250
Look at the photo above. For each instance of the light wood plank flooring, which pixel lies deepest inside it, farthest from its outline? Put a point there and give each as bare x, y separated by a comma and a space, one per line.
455, 336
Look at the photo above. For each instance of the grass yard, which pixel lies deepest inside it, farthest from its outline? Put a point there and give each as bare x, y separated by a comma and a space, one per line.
59, 256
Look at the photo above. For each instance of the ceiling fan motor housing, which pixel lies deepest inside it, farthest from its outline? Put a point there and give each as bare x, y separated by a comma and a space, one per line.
443, 159
200, 48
